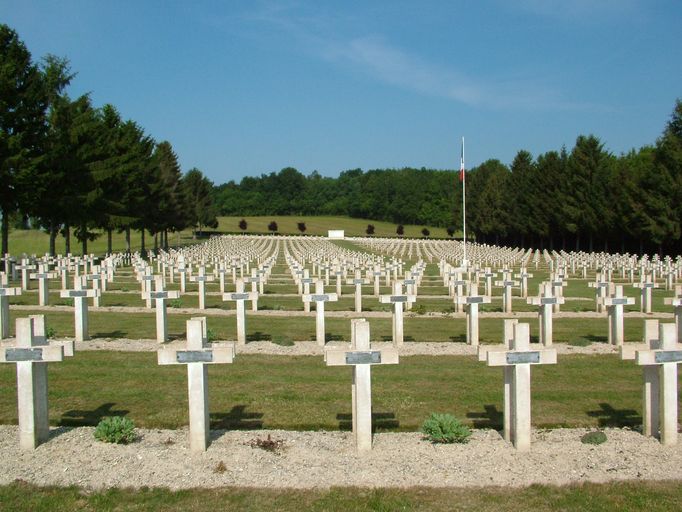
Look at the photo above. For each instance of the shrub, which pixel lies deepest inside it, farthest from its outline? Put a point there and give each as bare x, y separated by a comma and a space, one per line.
50, 332
211, 336
115, 429
597, 437
426, 232
445, 428
370, 229
400, 230
175, 303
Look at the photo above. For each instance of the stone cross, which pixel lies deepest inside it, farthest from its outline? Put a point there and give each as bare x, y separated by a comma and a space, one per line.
507, 285
524, 275
377, 273
201, 279
614, 309
80, 295
160, 296
196, 356
456, 286
183, 271
520, 357
239, 297
24, 267
5, 293
666, 356
646, 286
304, 285
43, 275
488, 276
471, 302
319, 298
676, 303
31, 355
254, 280
558, 284
628, 351
361, 357
545, 300
358, 281
601, 286
397, 299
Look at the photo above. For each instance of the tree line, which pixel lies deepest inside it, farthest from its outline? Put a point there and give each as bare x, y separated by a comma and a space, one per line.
74, 168
583, 199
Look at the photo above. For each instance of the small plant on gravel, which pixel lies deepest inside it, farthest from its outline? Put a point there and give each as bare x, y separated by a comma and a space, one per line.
211, 336
50, 332
597, 437
269, 444
445, 428
419, 309
175, 303
115, 429
220, 468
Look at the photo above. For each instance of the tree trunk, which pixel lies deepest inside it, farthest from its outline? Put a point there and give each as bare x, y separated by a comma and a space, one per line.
109, 244
67, 239
156, 243
5, 233
142, 249
84, 242
128, 239
53, 238
577, 241
641, 247
591, 241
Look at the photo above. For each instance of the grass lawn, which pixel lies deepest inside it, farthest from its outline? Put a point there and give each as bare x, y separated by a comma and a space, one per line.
663, 496
301, 393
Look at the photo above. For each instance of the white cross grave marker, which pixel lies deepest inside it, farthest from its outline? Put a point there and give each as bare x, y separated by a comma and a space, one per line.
397, 299
361, 357
545, 300
196, 356
239, 297
160, 296
80, 296
43, 275
614, 309
471, 302
31, 355
358, 281
520, 357
5, 293
319, 298
201, 279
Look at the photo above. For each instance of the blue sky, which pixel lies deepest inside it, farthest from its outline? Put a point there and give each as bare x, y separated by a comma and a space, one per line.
246, 88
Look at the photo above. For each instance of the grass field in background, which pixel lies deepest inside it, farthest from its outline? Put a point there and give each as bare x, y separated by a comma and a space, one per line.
33, 241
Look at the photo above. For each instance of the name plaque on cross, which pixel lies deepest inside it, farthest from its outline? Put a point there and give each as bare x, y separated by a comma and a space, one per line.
194, 356
13, 355
619, 302
523, 357
669, 356
373, 357
398, 298
316, 298
548, 300
474, 300
239, 296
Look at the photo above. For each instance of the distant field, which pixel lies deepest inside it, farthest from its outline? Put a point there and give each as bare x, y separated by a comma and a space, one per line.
320, 225
34, 241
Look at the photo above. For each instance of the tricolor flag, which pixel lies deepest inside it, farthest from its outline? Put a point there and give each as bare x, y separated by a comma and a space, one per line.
461, 165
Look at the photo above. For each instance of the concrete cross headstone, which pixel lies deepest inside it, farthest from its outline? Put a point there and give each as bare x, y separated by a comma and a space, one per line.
201, 279
601, 286
5, 293
646, 286
614, 309
397, 299
160, 297
31, 355
666, 356
24, 267
319, 298
506, 285
43, 276
520, 357
197, 354
676, 303
523, 275
545, 301
358, 281
80, 295
239, 296
472, 302
361, 357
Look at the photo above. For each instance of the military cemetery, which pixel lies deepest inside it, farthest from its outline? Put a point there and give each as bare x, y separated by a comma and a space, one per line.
182, 328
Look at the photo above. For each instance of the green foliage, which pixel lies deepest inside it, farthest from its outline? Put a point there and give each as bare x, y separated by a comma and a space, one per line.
50, 332
370, 229
282, 340
211, 335
426, 232
273, 226
597, 437
243, 225
175, 303
115, 429
419, 309
445, 428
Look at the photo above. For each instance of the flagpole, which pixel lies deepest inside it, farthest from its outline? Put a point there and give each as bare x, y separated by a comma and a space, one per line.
465, 263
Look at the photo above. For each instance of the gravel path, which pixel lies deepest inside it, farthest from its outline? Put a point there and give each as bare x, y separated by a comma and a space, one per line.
161, 458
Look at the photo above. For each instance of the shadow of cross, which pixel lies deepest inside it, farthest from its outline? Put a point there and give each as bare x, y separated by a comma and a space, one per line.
381, 421
236, 419
611, 417
79, 418
491, 417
